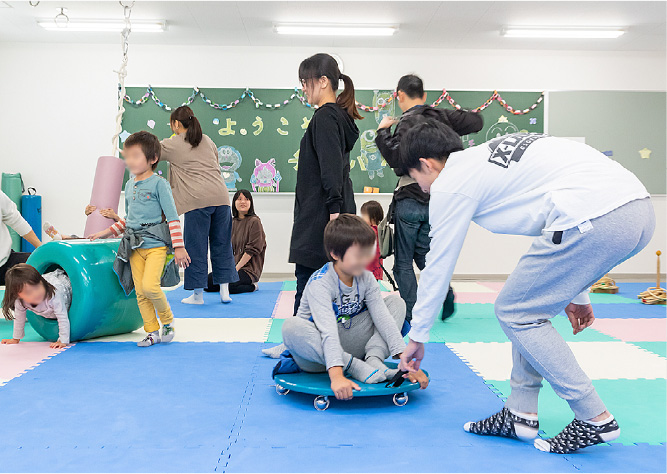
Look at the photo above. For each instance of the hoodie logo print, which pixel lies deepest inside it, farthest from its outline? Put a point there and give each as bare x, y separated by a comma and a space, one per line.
509, 148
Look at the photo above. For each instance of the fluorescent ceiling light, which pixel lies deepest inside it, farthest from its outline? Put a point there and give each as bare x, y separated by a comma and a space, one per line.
310, 29
561, 32
115, 26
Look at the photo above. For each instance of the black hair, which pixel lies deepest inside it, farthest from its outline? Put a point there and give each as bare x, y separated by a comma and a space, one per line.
412, 85
186, 116
374, 211
343, 232
324, 65
149, 143
248, 195
427, 139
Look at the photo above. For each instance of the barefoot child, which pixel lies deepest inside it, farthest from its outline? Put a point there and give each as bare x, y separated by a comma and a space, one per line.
343, 325
48, 296
147, 238
587, 213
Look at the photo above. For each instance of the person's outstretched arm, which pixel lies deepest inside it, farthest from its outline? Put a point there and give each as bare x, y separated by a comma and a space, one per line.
450, 218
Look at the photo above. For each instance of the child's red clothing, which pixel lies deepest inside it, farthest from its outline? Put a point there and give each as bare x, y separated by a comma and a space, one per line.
375, 265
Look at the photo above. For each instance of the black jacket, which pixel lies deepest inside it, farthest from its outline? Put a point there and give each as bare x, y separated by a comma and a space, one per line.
461, 121
323, 184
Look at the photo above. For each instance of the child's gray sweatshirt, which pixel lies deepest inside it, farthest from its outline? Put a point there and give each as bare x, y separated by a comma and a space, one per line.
329, 303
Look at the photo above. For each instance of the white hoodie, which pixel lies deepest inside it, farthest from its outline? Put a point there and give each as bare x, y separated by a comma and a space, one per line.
520, 184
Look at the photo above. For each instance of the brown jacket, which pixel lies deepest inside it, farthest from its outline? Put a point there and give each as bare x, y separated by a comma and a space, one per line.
248, 237
194, 174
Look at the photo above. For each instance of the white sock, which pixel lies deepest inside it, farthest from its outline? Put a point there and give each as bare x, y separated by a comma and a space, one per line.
224, 293
275, 351
527, 416
600, 423
197, 297
524, 432
379, 364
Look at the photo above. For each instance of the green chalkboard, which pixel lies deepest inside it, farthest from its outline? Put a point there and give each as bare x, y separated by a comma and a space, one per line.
263, 134
627, 126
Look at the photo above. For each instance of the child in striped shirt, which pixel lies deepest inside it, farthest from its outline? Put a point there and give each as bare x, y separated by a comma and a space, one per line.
146, 235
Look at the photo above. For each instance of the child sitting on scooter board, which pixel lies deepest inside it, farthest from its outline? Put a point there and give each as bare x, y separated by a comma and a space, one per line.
343, 326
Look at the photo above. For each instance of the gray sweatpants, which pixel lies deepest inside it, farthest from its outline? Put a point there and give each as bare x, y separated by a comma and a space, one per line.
544, 282
361, 340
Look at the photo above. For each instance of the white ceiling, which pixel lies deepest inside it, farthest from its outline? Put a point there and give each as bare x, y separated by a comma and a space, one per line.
452, 25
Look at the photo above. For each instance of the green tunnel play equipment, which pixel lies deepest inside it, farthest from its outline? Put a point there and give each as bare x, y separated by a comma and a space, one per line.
99, 304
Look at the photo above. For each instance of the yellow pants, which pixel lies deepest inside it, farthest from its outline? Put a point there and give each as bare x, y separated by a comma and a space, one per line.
147, 266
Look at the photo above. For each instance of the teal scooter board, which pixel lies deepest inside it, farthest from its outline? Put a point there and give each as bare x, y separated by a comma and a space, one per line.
320, 385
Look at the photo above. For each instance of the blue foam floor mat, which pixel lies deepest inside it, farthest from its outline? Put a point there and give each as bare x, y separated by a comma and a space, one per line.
365, 435
259, 304
629, 310
508, 456
205, 407
120, 398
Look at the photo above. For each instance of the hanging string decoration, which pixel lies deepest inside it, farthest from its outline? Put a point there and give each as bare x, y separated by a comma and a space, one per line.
122, 73
297, 94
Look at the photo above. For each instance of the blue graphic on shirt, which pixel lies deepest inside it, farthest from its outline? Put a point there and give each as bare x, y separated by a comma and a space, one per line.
347, 307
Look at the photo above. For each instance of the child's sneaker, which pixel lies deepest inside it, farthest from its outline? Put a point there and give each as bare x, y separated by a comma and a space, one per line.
505, 424
168, 333
579, 434
150, 339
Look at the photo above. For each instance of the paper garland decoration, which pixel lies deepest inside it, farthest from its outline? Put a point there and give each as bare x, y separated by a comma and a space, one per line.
150, 94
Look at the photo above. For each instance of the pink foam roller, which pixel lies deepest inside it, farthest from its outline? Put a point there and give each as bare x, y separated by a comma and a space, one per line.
106, 192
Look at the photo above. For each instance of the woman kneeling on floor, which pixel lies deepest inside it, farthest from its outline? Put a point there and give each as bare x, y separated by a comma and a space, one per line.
353, 336
248, 244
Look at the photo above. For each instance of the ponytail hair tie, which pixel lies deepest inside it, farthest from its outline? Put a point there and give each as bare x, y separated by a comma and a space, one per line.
191, 117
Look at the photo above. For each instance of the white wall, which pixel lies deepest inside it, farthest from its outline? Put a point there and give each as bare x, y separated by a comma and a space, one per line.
59, 104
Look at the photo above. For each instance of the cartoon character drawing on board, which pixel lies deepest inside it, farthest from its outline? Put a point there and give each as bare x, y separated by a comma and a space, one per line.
230, 160
371, 160
501, 128
381, 98
265, 177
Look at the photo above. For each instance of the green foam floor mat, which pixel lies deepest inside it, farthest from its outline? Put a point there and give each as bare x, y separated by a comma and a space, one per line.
7, 332
474, 311
657, 347
638, 405
457, 329
276, 331
289, 285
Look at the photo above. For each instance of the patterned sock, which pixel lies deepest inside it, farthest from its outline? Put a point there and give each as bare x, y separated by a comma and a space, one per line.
580, 434
505, 424
51, 231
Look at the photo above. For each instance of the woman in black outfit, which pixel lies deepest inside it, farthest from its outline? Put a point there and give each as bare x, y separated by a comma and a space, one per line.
323, 185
